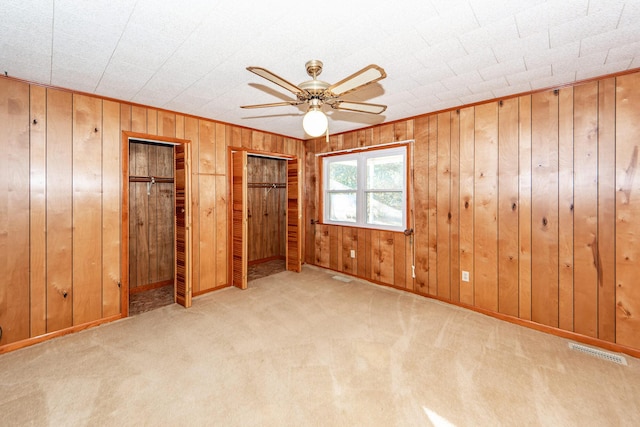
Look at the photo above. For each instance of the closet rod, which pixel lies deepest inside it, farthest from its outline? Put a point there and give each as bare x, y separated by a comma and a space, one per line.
155, 179
266, 185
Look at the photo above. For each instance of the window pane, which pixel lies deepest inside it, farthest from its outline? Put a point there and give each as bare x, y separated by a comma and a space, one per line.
384, 208
385, 173
343, 175
342, 207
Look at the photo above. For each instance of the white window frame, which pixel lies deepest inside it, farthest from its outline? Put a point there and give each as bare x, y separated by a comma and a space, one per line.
361, 191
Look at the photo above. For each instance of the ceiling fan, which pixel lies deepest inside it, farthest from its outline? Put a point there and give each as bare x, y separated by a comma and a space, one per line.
316, 93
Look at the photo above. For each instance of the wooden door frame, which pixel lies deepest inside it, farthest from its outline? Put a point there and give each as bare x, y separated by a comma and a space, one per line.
124, 234
250, 152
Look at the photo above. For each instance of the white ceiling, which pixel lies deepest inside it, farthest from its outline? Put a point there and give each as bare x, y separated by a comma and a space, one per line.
190, 55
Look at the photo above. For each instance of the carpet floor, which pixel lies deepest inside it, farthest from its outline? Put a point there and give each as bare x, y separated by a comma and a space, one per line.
304, 349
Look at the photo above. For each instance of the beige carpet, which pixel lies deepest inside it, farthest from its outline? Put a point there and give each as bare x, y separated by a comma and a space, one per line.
307, 350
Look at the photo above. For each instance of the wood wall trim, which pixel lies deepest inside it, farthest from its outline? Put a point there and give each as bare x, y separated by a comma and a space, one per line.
150, 286
208, 291
45, 337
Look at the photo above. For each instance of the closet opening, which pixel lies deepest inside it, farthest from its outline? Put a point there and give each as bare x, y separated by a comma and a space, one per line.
156, 216
151, 228
266, 213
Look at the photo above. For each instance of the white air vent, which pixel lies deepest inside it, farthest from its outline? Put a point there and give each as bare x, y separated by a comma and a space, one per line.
600, 354
341, 278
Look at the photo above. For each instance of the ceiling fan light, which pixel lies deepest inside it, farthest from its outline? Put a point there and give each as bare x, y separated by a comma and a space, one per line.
315, 123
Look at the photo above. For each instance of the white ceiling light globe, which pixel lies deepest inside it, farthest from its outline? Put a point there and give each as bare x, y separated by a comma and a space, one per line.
315, 123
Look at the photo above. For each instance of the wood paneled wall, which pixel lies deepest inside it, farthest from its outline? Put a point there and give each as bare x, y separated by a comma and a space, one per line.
266, 207
535, 196
60, 202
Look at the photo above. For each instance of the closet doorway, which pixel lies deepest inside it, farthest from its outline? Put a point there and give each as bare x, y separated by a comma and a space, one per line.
151, 228
265, 215
266, 210
155, 223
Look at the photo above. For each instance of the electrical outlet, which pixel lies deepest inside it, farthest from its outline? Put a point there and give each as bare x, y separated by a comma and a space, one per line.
465, 276
353, 253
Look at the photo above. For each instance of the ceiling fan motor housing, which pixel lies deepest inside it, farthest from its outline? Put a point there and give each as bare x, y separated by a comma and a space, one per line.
314, 67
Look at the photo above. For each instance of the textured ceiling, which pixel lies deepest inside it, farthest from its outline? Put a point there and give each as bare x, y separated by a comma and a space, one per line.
190, 56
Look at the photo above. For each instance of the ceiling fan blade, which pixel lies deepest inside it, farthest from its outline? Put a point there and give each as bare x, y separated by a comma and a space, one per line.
361, 107
262, 72
369, 74
273, 104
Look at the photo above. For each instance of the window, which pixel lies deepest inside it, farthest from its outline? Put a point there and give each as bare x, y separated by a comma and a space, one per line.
366, 189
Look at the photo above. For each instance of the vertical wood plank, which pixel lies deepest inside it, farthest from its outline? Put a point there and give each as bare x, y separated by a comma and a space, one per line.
152, 121
544, 207
322, 245
59, 209
373, 254
164, 214
387, 250
220, 149
627, 210
180, 119
524, 218
125, 116
421, 203
38, 210
454, 204
111, 215
585, 134
138, 119
467, 173
386, 133
565, 209
432, 206
14, 209
486, 207
361, 258
443, 206
333, 247
192, 133
207, 148
400, 260
246, 138
221, 259
310, 208
350, 242
153, 225
339, 250
207, 235
400, 131
508, 207
138, 216
293, 228
87, 209
606, 209
167, 124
